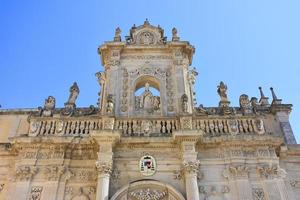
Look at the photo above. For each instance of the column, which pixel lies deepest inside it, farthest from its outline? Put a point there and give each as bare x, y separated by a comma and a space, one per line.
104, 170
106, 140
191, 182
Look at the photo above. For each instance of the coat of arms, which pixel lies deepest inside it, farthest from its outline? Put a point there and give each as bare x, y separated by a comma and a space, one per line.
147, 165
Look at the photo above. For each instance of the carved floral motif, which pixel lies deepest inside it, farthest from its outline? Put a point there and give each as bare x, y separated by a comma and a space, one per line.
258, 194
270, 172
239, 171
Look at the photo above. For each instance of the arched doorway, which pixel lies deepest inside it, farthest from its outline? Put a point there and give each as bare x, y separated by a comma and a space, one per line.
147, 189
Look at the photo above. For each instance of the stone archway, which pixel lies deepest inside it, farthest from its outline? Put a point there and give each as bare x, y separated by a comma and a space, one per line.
147, 189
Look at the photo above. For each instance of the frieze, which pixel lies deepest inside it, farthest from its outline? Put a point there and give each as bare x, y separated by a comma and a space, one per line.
145, 194
53, 173
82, 174
75, 192
238, 171
213, 191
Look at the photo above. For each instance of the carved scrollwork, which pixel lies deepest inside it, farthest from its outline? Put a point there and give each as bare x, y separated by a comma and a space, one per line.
258, 194
53, 173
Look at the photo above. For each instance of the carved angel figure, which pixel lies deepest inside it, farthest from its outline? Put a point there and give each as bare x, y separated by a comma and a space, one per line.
74, 92
222, 91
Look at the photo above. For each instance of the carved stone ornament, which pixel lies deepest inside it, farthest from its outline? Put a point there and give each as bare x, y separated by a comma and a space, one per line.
104, 167
258, 194
25, 173
222, 91
233, 126
270, 172
35, 193
53, 173
213, 191
147, 165
117, 37
49, 107
110, 104
108, 123
34, 128
186, 123
147, 194
245, 105
240, 171
191, 167
174, 35
184, 103
259, 126
146, 127
70, 105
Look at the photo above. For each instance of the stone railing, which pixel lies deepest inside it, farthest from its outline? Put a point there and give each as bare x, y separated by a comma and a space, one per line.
58, 127
234, 126
145, 127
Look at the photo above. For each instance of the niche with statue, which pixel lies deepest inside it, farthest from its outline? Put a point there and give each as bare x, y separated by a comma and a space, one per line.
147, 97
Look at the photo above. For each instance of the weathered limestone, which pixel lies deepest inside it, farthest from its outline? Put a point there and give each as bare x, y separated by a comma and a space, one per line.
147, 138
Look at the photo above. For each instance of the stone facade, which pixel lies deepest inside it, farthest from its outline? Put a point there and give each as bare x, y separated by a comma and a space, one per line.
147, 139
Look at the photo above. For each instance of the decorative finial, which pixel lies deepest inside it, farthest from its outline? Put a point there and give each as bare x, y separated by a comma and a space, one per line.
117, 37
275, 99
263, 99
70, 105
174, 35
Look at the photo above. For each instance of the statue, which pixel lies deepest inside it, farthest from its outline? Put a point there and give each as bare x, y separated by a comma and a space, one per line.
222, 91
49, 107
254, 104
117, 37
101, 76
110, 104
146, 101
74, 92
184, 103
245, 104
174, 35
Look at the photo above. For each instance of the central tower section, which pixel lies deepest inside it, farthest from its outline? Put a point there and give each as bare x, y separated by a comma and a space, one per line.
146, 75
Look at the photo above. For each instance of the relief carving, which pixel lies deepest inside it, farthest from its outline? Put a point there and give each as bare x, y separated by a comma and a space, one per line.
35, 193
270, 172
146, 194
104, 167
258, 194
239, 171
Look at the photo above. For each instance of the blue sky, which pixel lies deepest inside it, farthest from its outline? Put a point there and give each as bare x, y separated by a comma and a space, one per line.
47, 45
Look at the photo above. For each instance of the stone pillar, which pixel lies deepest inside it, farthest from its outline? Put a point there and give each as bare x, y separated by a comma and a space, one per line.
104, 170
106, 140
191, 170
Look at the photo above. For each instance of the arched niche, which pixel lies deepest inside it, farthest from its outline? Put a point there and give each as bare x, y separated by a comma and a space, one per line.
149, 189
148, 99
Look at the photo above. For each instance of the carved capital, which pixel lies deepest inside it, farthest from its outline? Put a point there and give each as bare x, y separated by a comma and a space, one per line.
191, 167
25, 173
104, 167
270, 172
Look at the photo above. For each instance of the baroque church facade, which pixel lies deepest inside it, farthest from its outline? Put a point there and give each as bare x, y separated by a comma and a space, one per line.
147, 139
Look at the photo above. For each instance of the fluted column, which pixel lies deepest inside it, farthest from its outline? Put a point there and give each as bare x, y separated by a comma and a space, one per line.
104, 170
